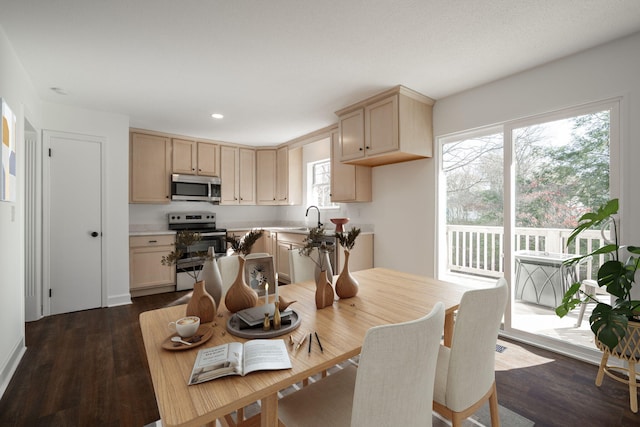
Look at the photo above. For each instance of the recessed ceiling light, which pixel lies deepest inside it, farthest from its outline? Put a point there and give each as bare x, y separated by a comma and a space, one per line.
217, 116
58, 90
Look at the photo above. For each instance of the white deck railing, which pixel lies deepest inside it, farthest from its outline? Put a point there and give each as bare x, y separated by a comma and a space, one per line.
478, 250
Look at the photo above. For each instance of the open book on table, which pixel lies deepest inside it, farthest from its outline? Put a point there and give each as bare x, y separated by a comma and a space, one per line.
239, 359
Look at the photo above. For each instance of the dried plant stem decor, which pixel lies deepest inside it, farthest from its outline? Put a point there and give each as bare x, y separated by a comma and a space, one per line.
243, 244
346, 284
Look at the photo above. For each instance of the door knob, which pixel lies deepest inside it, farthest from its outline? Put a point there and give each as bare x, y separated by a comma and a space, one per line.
94, 234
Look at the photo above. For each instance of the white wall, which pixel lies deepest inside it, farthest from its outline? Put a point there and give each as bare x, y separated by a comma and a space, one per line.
20, 95
115, 129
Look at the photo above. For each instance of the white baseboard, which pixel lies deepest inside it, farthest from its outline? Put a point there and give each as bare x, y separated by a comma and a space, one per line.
122, 299
7, 371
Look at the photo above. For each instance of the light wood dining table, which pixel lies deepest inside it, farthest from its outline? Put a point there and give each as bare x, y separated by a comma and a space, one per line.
384, 297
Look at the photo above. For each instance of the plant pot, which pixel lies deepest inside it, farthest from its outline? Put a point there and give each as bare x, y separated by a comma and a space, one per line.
324, 291
346, 284
240, 295
201, 303
628, 349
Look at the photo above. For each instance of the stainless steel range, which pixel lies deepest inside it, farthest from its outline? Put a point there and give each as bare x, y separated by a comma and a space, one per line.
205, 224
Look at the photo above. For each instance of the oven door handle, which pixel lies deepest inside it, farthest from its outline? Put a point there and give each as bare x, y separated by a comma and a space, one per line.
213, 234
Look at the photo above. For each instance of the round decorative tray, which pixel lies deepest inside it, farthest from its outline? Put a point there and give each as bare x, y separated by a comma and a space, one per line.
205, 331
233, 326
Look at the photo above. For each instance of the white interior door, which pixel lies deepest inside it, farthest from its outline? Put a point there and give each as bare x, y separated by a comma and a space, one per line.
73, 202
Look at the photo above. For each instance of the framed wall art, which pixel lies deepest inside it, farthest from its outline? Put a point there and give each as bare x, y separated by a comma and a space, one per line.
8, 177
259, 272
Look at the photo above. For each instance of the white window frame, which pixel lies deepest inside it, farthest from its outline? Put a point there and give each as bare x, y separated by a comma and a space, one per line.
310, 184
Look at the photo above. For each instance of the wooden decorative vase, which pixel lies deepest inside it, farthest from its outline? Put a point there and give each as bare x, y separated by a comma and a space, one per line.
201, 304
240, 295
346, 284
324, 291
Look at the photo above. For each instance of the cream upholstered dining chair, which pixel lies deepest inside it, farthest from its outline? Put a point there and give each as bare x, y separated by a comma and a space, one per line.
228, 266
465, 375
301, 267
389, 388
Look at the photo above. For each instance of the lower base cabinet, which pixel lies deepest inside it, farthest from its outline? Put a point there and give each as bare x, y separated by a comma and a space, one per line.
147, 275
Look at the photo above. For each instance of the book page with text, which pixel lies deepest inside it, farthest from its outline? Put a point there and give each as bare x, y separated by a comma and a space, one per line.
265, 355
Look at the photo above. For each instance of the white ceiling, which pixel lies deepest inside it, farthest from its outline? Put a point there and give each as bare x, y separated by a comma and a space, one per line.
278, 69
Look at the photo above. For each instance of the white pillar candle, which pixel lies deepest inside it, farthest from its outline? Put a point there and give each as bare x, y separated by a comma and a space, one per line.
276, 285
266, 293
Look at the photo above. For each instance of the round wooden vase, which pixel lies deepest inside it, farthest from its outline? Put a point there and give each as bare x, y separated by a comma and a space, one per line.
346, 284
212, 278
240, 295
324, 291
201, 304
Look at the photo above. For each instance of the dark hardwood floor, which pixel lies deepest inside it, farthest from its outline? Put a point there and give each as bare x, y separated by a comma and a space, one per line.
89, 369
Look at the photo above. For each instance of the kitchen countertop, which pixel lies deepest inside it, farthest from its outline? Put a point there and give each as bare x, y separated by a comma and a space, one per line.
148, 230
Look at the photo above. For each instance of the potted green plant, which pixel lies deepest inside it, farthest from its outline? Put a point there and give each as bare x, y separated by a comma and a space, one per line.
346, 284
608, 322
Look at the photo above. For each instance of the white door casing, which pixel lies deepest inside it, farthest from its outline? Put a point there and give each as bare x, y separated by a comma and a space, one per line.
72, 222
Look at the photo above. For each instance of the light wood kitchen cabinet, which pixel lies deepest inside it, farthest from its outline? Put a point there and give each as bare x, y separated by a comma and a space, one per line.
394, 126
279, 176
149, 168
185, 156
195, 157
289, 176
349, 183
247, 174
284, 243
208, 159
147, 275
237, 173
266, 177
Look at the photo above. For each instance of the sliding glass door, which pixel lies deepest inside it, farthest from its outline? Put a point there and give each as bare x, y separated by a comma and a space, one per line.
509, 198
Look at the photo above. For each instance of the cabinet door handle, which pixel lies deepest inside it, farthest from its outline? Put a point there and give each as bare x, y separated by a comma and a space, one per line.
367, 147
360, 149
153, 241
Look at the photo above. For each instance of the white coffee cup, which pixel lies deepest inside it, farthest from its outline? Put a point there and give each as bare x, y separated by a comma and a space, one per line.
186, 326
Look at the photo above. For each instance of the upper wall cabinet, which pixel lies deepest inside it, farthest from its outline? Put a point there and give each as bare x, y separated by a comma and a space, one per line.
237, 173
195, 158
289, 176
394, 126
349, 183
279, 176
150, 167
266, 177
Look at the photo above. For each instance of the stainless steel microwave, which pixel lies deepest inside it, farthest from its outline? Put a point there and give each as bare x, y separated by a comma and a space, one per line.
194, 188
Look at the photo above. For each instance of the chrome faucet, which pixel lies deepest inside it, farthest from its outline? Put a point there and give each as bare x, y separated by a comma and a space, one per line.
307, 214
